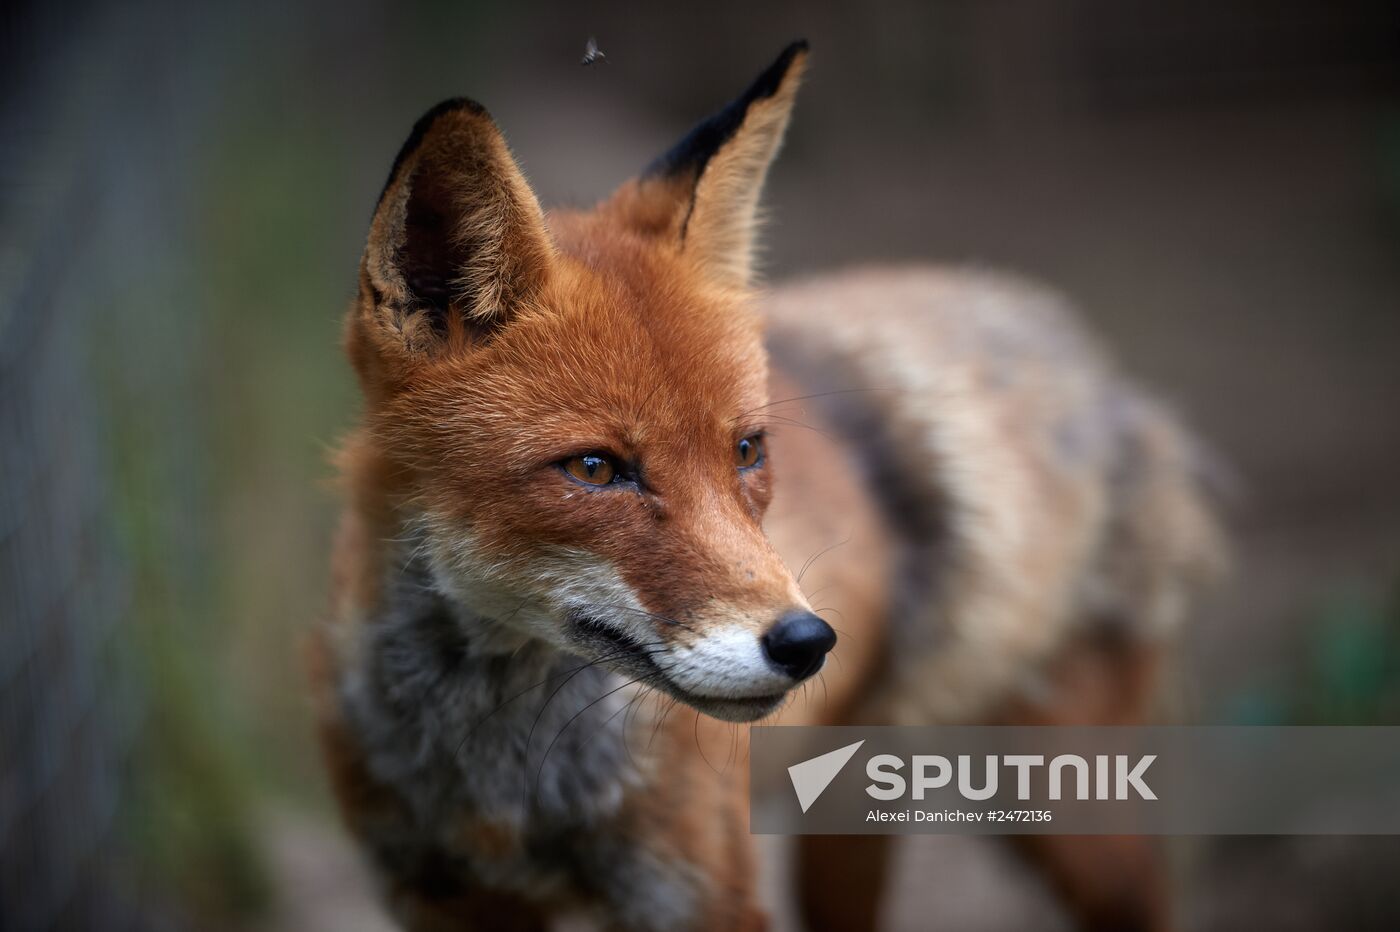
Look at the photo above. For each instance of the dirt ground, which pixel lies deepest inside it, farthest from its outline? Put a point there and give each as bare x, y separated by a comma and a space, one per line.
938, 884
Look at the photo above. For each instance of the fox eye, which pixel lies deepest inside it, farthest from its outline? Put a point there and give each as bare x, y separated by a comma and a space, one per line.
591, 469
749, 451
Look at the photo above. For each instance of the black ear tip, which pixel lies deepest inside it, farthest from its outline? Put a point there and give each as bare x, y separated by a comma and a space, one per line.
702, 142
420, 130
766, 85
789, 54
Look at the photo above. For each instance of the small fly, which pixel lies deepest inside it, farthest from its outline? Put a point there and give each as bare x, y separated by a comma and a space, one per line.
592, 54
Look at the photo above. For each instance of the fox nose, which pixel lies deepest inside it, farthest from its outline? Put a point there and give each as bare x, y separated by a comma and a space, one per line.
798, 644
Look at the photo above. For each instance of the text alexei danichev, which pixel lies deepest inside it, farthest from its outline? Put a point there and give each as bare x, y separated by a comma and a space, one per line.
959, 815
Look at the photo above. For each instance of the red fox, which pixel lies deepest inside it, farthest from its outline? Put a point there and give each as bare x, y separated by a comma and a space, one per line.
607, 498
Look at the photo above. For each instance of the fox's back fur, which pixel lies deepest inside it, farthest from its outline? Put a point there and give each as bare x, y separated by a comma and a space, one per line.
1033, 492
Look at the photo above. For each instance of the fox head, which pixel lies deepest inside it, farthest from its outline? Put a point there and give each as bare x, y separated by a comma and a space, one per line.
573, 404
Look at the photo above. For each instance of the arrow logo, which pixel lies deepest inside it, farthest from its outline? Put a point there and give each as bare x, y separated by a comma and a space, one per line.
811, 777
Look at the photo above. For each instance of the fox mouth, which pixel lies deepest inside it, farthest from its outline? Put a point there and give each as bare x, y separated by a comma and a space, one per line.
624, 653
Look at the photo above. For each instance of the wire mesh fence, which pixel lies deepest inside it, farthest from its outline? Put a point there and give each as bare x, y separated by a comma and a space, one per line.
68, 713
72, 699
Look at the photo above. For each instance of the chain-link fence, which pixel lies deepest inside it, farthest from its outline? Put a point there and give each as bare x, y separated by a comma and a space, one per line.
67, 712
72, 705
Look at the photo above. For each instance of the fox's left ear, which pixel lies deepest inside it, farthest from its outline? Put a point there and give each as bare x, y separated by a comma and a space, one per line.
457, 244
703, 194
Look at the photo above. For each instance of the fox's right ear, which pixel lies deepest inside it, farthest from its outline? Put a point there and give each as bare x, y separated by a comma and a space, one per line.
701, 197
457, 243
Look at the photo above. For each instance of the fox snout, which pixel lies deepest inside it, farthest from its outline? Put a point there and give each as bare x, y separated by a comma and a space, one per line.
737, 673
728, 671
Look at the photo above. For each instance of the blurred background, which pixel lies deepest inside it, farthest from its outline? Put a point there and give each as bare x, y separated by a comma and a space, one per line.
184, 189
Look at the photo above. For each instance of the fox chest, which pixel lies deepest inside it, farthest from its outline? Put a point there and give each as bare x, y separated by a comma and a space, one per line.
481, 834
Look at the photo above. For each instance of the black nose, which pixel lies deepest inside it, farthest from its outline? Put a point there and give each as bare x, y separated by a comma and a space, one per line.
798, 643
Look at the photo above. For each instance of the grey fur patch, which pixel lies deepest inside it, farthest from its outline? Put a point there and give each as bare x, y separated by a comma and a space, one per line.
531, 740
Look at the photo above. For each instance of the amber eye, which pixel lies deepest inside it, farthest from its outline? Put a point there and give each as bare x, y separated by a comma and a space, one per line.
748, 451
591, 469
